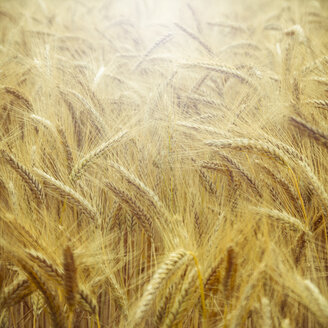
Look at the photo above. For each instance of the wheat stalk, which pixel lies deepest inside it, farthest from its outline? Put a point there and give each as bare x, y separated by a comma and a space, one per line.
98, 119
164, 306
144, 192
57, 316
275, 153
319, 103
86, 301
43, 121
15, 293
245, 298
206, 101
315, 64
228, 281
243, 173
195, 37
70, 195
157, 44
222, 69
18, 95
68, 152
168, 268
207, 183
119, 297
79, 168
143, 218
281, 182
49, 269
202, 128
282, 217
181, 304
313, 299
26, 175
311, 130
213, 278
229, 25
70, 277
249, 144
37, 302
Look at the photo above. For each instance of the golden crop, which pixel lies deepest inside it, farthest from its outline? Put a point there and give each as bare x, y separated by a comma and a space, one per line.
163, 163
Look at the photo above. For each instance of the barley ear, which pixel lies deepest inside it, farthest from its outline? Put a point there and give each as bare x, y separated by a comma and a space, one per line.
15, 293
57, 315
70, 278
164, 272
26, 175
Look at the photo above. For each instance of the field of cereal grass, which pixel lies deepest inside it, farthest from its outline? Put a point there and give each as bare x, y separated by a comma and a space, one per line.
163, 163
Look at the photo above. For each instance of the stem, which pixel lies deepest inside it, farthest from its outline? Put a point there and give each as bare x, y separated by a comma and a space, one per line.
201, 286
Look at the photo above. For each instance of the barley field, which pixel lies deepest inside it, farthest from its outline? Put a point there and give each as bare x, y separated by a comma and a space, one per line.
163, 163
